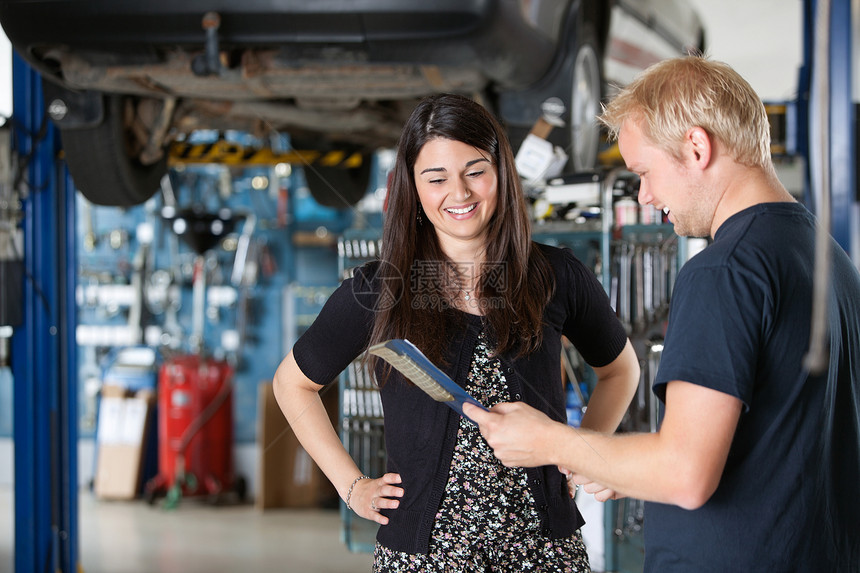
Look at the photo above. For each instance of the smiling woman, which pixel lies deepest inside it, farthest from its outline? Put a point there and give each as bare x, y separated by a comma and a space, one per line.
460, 278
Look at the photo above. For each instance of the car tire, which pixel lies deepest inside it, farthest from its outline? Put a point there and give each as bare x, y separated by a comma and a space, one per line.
339, 187
585, 98
101, 164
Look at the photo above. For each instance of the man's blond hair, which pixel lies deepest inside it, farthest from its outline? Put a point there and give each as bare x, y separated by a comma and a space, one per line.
675, 95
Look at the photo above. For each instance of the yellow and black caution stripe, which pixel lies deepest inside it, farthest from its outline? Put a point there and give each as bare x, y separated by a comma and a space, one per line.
777, 115
235, 154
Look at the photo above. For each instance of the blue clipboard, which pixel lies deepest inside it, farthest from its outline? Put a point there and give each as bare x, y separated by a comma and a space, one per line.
411, 362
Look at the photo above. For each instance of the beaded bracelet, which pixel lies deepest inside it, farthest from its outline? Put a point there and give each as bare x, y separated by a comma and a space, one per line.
349, 493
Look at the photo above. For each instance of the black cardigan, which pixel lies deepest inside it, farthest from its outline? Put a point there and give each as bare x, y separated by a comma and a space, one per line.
421, 433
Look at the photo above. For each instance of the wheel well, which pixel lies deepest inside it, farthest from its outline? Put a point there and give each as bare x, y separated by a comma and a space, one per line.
601, 20
596, 12
703, 44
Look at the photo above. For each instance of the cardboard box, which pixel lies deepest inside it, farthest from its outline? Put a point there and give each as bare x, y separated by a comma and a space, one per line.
288, 477
123, 427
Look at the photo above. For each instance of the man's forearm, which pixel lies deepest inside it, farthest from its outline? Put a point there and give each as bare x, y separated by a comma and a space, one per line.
630, 464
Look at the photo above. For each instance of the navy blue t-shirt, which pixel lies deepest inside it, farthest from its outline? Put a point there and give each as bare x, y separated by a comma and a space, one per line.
739, 323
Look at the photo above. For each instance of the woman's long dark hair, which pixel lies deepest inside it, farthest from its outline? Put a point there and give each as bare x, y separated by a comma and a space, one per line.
520, 281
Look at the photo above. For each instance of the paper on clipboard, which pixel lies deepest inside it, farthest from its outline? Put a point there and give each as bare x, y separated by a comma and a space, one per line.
411, 362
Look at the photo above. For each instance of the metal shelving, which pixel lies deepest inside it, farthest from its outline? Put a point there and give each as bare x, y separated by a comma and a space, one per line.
361, 427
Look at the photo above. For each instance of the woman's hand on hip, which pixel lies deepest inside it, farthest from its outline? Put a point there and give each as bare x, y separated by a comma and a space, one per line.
370, 496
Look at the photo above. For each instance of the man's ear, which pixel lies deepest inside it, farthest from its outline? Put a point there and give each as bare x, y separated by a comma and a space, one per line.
698, 146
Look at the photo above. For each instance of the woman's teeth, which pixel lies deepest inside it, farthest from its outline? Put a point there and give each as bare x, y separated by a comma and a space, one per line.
462, 211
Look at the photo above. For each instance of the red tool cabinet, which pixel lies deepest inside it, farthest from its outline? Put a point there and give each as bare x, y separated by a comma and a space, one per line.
195, 449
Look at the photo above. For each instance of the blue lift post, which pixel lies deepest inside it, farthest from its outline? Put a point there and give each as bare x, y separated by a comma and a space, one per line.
841, 126
44, 362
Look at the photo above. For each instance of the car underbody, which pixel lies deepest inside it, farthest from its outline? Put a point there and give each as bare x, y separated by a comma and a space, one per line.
330, 75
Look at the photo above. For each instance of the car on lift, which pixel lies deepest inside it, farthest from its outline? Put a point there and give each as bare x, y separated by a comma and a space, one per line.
125, 81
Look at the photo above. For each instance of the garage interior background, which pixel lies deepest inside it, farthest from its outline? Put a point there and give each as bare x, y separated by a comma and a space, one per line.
764, 45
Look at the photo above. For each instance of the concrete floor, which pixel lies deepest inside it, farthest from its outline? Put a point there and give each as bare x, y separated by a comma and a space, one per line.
133, 537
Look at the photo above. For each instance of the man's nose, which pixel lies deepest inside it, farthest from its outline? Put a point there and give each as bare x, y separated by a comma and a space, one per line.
644, 197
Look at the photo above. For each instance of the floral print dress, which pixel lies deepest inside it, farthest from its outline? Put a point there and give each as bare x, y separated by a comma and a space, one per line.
487, 521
